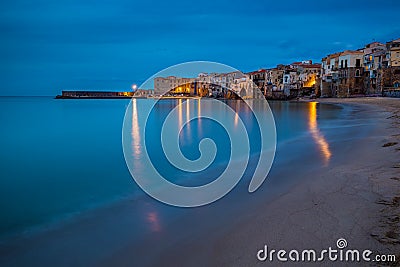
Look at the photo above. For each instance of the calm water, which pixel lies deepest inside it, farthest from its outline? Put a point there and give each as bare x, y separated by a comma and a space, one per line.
61, 157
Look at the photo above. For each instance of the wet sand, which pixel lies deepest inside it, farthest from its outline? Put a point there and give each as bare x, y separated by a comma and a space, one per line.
357, 198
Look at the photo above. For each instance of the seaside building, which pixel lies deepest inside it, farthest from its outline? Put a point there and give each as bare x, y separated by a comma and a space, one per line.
220, 85
391, 74
143, 92
375, 61
393, 48
308, 77
203, 85
174, 85
288, 81
329, 75
372, 70
259, 78
350, 80
246, 88
275, 83
342, 74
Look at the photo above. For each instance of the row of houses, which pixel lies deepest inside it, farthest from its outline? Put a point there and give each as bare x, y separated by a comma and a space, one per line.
371, 70
286, 81
219, 85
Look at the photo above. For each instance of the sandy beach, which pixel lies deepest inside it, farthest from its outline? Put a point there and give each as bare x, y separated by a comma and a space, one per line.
357, 199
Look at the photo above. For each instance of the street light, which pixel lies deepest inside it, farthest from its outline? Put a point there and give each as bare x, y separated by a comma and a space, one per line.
134, 87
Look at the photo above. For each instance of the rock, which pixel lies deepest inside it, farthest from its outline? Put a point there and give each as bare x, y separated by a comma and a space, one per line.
390, 144
397, 166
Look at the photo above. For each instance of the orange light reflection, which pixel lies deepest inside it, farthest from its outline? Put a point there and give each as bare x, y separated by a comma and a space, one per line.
180, 118
237, 113
316, 133
152, 218
188, 116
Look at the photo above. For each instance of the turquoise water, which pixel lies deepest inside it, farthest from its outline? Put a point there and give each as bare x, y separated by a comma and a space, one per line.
61, 157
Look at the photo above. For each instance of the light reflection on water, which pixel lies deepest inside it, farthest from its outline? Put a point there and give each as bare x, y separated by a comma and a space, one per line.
307, 114
71, 156
136, 143
316, 133
154, 221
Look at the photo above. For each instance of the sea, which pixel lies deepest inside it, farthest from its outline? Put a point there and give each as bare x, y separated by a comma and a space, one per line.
62, 159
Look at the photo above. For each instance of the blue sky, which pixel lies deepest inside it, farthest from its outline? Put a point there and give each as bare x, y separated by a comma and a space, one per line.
48, 45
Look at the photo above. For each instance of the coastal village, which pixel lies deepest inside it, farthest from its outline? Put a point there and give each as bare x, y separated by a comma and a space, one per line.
373, 70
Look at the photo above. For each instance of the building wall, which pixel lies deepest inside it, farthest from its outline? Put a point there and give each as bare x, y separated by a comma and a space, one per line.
395, 57
391, 78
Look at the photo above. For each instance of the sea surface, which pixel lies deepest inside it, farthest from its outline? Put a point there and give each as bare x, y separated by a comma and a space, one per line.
62, 158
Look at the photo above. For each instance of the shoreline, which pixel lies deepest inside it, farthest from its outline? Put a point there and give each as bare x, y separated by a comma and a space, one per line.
342, 200
357, 200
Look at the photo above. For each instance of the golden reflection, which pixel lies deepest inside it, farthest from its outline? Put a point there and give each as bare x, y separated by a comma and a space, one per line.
136, 146
188, 116
154, 222
198, 108
237, 113
316, 133
180, 116
199, 129
187, 110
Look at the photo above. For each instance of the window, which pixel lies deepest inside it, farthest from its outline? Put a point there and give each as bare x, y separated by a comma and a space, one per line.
358, 63
341, 64
345, 63
358, 73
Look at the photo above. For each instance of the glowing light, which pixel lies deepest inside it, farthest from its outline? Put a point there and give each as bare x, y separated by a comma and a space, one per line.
188, 117
187, 110
134, 87
316, 134
198, 109
311, 81
136, 145
180, 118
237, 114
199, 129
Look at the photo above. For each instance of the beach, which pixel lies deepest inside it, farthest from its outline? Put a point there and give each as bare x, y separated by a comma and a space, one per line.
358, 199
308, 205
